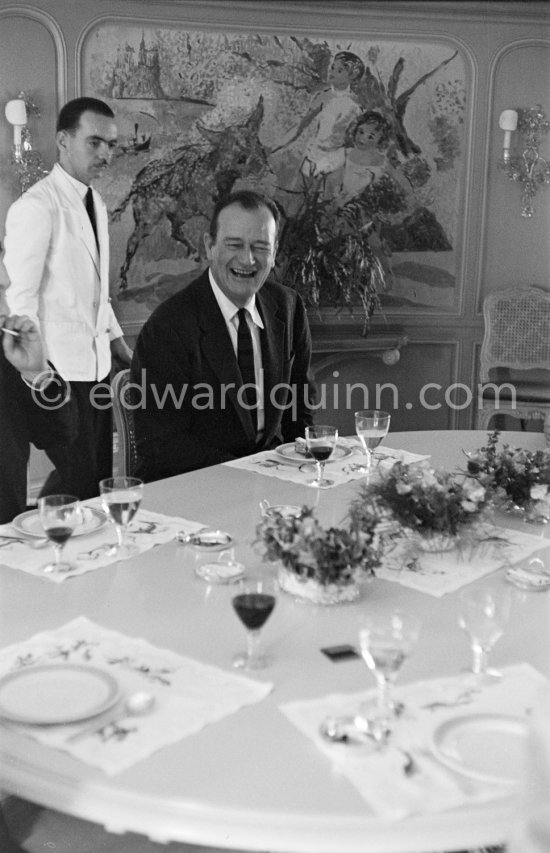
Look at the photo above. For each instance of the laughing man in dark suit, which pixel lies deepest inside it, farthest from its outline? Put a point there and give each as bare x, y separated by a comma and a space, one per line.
192, 409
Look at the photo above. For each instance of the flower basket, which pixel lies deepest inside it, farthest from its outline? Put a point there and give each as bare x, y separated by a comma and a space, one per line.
433, 505
318, 564
308, 589
531, 511
517, 480
433, 542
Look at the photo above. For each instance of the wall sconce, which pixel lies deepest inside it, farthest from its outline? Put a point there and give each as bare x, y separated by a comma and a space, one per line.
28, 163
16, 114
527, 167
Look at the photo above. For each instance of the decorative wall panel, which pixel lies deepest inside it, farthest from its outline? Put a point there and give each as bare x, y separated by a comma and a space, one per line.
201, 112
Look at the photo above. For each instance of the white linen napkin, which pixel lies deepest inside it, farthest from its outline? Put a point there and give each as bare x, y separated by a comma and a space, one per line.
94, 550
340, 471
440, 573
406, 777
188, 695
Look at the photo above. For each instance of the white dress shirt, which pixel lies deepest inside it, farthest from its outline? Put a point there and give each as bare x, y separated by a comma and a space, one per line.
230, 315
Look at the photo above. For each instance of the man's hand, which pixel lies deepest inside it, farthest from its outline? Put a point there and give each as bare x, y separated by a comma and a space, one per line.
24, 350
121, 351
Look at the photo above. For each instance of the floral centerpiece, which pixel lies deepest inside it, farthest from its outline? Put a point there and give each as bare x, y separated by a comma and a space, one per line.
436, 505
323, 565
516, 479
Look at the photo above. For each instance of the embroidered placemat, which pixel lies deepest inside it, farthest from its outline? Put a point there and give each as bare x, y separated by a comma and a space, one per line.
188, 695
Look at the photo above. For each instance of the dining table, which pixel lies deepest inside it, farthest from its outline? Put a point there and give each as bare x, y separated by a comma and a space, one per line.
250, 778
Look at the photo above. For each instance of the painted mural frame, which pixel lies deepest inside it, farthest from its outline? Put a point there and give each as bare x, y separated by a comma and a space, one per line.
201, 110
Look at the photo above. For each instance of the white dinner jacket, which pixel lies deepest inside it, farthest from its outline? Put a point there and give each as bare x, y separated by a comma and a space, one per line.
58, 278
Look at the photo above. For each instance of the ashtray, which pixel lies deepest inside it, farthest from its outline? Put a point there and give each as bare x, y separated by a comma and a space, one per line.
207, 539
285, 510
224, 571
533, 577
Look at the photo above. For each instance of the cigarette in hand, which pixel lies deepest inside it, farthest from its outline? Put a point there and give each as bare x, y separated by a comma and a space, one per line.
9, 332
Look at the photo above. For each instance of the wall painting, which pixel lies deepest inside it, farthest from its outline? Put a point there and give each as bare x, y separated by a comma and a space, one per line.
359, 133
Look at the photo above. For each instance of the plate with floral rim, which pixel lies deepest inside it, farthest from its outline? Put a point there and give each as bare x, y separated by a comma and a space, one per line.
288, 452
29, 522
54, 694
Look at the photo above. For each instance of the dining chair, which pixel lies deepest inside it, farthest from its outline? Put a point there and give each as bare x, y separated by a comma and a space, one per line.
124, 423
515, 356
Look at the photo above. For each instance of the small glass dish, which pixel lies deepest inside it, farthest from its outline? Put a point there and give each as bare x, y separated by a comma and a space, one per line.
535, 576
220, 572
286, 510
207, 539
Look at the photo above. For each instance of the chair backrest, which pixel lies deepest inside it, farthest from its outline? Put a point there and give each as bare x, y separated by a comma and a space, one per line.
517, 330
124, 422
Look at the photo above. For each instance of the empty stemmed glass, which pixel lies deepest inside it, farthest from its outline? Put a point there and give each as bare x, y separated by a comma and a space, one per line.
59, 515
253, 604
320, 443
483, 614
121, 497
371, 426
385, 640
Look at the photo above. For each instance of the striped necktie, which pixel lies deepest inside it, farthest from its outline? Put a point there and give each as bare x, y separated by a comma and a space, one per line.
245, 357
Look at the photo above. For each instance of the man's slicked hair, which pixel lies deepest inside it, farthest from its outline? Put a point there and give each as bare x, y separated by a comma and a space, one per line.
248, 200
69, 115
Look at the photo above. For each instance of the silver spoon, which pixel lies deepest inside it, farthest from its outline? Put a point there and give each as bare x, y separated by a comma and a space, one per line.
135, 705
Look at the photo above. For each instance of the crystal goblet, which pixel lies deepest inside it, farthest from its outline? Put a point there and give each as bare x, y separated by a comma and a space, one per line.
386, 639
483, 613
59, 516
253, 604
121, 497
320, 443
371, 426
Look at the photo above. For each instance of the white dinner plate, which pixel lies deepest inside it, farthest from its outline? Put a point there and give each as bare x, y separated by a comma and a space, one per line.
487, 747
56, 693
29, 522
288, 451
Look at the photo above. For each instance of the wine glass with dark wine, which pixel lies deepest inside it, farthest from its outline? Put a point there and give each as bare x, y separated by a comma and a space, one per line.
59, 516
371, 426
253, 604
121, 497
320, 443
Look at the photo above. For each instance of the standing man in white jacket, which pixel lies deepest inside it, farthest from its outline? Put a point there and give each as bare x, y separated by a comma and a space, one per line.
57, 259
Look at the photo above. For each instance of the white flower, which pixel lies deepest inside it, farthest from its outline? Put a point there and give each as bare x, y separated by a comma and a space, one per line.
402, 488
540, 491
474, 490
429, 478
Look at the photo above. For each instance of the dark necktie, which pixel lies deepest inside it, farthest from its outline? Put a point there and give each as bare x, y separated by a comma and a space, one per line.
245, 357
89, 202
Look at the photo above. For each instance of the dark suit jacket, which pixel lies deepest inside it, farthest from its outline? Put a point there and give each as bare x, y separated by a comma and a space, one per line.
188, 378
22, 421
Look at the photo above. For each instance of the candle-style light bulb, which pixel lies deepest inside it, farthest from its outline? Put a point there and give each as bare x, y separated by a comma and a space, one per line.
16, 114
508, 122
